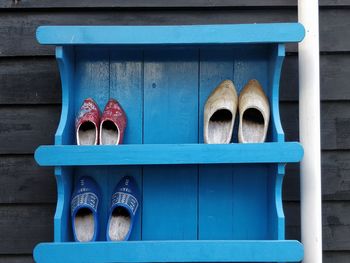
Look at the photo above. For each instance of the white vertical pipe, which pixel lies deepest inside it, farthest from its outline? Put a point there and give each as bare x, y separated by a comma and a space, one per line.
309, 115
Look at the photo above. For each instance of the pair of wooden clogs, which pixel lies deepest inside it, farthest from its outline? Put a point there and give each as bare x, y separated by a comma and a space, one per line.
91, 129
220, 111
86, 207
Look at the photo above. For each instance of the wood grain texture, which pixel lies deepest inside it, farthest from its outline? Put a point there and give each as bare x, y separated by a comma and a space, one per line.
20, 238
23, 226
18, 31
24, 128
170, 89
36, 125
22, 177
334, 72
136, 4
214, 216
336, 256
126, 85
334, 122
29, 81
26, 258
335, 224
36, 80
335, 177
23, 181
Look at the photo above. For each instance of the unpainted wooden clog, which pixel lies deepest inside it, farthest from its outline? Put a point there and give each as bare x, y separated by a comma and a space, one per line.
254, 113
219, 113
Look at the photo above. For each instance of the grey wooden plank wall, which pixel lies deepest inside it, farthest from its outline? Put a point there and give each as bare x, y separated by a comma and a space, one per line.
30, 106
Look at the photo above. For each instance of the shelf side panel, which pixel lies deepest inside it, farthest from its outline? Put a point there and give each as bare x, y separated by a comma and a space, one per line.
275, 67
215, 195
126, 86
62, 219
276, 215
66, 61
170, 116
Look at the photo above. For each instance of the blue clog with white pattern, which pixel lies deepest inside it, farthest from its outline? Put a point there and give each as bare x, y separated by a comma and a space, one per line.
123, 210
84, 210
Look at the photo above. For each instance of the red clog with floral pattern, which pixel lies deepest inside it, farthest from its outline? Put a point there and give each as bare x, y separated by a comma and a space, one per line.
113, 123
87, 123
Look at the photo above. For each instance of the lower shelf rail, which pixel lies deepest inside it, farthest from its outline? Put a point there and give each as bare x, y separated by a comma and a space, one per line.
172, 251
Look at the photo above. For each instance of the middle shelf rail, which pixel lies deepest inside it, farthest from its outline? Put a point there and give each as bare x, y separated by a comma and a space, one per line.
157, 154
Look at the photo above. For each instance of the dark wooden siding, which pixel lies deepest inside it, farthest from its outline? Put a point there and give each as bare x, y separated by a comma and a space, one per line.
30, 106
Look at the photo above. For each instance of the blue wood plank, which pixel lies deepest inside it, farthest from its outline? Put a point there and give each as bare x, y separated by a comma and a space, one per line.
189, 34
126, 86
92, 80
250, 202
251, 62
72, 155
91, 77
170, 116
171, 251
215, 214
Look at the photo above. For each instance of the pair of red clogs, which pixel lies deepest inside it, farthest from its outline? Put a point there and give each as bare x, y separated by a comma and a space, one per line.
93, 129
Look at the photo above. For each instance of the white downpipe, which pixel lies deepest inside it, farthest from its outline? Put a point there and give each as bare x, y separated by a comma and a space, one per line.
309, 116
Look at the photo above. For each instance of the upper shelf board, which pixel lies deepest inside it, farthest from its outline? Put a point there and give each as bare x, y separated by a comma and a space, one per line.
171, 35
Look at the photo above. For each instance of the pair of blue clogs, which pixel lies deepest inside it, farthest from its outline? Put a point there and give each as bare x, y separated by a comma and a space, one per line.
122, 213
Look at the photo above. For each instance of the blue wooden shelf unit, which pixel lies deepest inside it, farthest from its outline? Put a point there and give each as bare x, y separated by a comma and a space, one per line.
200, 203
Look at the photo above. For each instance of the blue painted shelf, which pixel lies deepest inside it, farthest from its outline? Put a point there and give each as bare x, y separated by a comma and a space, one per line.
172, 251
200, 203
148, 154
171, 35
